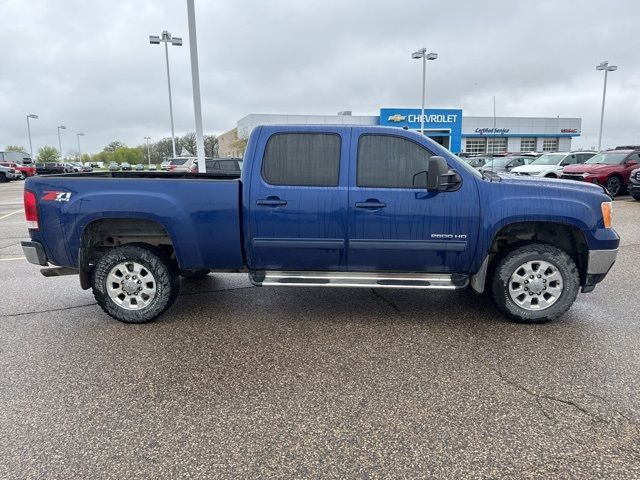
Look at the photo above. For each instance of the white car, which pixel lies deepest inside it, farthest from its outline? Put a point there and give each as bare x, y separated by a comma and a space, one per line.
550, 165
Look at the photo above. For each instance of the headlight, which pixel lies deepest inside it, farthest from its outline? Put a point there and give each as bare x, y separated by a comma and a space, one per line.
606, 213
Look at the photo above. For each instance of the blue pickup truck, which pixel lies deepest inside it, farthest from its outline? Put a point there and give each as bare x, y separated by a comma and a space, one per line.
325, 206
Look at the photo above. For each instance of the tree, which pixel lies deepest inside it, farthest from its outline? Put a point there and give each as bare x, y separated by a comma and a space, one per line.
188, 143
15, 148
47, 154
210, 146
162, 149
113, 146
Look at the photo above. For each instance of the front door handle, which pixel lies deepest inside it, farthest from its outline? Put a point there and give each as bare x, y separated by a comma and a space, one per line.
271, 202
370, 204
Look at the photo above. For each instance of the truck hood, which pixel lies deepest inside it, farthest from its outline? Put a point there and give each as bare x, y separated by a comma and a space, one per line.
592, 168
551, 183
533, 169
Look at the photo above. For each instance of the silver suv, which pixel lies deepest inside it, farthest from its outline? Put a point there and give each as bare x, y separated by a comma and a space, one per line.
551, 164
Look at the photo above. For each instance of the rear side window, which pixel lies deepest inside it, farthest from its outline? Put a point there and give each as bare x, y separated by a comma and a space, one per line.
391, 162
305, 159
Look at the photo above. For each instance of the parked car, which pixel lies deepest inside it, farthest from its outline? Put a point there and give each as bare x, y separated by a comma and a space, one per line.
165, 165
23, 171
224, 166
7, 174
21, 158
114, 167
477, 162
69, 167
634, 184
551, 164
396, 210
126, 166
184, 164
505, 164
153, 167
611, 168
50, 168
138, 167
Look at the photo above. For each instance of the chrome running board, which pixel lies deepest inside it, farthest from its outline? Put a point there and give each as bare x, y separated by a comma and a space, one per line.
439, 281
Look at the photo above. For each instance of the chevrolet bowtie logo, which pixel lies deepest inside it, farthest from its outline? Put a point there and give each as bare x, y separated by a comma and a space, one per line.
397, 118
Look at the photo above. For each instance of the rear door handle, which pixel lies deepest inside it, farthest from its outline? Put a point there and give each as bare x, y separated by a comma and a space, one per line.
371, 204
271, 202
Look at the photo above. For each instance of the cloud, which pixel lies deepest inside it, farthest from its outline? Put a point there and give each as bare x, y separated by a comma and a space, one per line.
89, 65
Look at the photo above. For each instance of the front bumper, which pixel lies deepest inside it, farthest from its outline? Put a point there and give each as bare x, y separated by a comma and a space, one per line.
599, 264
34, 253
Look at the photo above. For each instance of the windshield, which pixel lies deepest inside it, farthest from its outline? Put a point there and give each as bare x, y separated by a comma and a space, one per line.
497, 162
463, 164
608, 158
549, 159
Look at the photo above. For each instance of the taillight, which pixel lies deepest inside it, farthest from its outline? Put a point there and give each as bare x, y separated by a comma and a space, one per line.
31, 210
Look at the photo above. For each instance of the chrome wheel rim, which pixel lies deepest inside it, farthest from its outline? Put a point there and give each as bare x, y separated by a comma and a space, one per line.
131, 286
613, 185
536, 285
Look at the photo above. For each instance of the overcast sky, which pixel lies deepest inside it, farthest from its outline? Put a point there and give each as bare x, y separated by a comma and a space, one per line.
88, 64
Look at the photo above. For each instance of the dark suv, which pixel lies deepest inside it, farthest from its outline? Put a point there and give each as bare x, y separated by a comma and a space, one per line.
634, 184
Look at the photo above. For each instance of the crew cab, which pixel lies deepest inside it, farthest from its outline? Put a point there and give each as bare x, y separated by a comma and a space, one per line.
611, 168
325, 206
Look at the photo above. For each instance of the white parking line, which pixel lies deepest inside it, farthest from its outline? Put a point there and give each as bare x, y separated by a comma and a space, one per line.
9, 214
10, 259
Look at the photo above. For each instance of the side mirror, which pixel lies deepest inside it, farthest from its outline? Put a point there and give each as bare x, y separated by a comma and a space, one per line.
440, 178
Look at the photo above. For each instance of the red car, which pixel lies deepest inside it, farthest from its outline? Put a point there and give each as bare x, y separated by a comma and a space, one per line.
611, 168
25, 170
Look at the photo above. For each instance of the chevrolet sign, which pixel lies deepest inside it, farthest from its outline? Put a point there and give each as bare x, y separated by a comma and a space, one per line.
396, 118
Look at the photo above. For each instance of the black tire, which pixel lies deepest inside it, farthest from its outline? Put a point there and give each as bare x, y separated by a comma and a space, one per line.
511, 262
167, 285
3, 178
194, 273
614, 185
636, 196
550, 175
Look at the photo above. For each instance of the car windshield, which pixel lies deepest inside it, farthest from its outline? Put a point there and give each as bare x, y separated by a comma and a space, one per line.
608, 158
497, 162
549, 159
178, 161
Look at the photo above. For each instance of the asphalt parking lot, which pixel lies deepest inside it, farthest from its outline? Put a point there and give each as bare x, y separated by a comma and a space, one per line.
237, 381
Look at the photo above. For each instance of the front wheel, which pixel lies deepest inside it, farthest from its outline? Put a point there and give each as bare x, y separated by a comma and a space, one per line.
636, 196
134, 284
23, 175
613, 185
535, 283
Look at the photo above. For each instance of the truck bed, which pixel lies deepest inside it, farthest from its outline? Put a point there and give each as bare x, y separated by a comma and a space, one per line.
159, 174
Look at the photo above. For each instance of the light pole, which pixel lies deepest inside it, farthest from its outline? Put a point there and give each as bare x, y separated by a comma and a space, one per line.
148, 152
60, 127
195, 82
166, 38
607, 68
34, 116
78, 135
422, 54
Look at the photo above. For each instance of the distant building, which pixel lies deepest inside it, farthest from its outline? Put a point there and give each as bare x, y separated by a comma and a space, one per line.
448, 127
229, 145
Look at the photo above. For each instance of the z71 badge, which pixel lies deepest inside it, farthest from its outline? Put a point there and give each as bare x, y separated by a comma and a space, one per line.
56, 196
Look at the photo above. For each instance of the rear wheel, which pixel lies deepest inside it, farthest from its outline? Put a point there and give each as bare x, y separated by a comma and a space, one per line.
134, 284
535, 283
636, 196
613, 185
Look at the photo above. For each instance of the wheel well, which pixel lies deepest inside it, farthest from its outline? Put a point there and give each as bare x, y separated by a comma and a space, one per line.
102, 235
565, 237
551, 175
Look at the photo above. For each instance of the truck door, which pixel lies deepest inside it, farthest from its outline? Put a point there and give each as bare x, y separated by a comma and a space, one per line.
298, 200
395, 225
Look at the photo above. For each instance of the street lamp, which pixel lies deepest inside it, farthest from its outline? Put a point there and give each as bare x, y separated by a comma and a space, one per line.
148, 152
166, 38
607, 68
34, 116
422, 54
60, 127
78, 135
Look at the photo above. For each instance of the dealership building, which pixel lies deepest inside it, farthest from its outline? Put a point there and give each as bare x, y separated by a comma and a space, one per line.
448, 127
